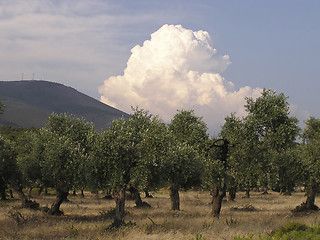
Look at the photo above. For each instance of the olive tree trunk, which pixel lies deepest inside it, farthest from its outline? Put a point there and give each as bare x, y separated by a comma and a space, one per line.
175, 199
311, 197
248, 193
25, 201
21, 194
218, 193
55, 207
232, 194
137, 198
119, 196
11, 193
40, 190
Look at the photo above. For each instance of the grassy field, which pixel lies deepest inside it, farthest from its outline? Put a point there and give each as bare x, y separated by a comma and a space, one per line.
89, 217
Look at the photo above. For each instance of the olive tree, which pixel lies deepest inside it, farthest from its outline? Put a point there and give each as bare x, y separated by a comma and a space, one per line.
277, 132
310, 152
112, 161
151, 132
30, 148
62, 160
184, 163
62, 149
8, 166
216, 171
82, 134
183, 168
244, 154
26, 174
129, 154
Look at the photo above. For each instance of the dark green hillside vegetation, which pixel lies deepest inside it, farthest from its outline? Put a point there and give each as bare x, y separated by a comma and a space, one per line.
14, 133
1, 107
29, 103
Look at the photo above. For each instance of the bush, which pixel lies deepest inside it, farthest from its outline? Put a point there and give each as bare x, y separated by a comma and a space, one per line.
291, 231
297, 231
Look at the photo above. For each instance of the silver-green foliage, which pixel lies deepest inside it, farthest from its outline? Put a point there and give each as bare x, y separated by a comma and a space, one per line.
277, 131
130, 152
8, 165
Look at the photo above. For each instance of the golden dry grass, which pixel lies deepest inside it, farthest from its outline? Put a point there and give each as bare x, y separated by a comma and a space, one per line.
88, 218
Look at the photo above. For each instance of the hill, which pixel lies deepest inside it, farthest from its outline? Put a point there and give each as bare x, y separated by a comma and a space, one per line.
28, 104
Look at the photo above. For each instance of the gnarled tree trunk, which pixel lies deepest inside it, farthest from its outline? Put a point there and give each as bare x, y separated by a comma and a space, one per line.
119, 196
232, 194
55, 207
11, 193
26, 202
218, 193
40, 190
22, 196
232, 189
137, 197
175, 199
311, 197
248, 193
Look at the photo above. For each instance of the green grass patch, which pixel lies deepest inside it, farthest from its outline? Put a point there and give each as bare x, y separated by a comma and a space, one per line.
291, 231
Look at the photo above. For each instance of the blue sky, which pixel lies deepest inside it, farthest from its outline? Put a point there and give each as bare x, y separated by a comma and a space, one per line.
271, 44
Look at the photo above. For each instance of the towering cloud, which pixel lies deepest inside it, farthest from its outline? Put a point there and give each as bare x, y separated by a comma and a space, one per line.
177, 69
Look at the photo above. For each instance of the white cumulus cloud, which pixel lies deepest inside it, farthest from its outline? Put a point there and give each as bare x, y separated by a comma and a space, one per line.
177, 69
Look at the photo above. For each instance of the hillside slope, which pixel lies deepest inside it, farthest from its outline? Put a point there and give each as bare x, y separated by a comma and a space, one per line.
28, 104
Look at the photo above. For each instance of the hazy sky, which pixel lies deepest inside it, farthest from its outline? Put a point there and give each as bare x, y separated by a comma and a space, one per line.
163, 55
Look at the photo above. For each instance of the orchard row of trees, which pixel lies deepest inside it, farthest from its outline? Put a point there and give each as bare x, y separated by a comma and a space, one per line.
145, 154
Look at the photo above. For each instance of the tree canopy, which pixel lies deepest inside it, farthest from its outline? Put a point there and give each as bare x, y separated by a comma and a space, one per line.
8, 165
277, 131
310, 151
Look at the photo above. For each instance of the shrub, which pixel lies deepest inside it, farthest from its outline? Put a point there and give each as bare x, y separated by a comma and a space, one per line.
297, 231
291, 231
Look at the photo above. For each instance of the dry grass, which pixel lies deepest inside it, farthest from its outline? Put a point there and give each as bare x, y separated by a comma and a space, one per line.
89, 217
